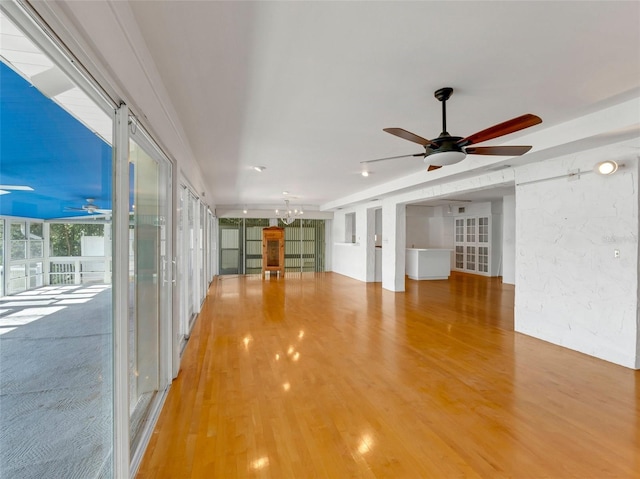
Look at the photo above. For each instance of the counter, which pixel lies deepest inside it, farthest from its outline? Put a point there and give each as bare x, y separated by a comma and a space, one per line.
428, 263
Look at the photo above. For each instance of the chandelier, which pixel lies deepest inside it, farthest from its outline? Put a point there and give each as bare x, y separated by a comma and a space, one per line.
288, 216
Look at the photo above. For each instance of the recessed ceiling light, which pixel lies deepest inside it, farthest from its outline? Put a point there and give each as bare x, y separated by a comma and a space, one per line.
365, 173
285, 192
259, 169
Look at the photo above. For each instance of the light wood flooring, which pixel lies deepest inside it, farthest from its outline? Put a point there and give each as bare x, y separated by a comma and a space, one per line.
321, 376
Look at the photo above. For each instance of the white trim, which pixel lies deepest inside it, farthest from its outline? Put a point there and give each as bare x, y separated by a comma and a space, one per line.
153, 414
120, 275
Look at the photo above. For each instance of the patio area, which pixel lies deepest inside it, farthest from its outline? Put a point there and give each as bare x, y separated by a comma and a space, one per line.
55, 382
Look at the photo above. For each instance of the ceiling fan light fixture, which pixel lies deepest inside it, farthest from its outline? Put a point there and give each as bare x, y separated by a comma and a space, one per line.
445, 158
608, 167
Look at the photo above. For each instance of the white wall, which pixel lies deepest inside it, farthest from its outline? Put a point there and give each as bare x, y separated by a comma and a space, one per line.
418, 218
349, 259
509, 239
378, 226
570, 289
440, 230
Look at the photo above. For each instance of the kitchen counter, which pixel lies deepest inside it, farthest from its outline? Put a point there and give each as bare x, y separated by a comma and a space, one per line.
428, 263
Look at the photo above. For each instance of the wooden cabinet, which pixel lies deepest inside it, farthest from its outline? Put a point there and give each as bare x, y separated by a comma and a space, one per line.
273, 250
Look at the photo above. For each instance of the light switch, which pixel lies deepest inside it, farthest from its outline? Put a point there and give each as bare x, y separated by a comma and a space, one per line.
616, 253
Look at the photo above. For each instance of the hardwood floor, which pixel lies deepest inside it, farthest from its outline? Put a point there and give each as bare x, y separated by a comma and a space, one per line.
321, 376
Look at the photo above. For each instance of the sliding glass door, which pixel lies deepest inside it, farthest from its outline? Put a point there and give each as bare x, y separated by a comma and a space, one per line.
151, 292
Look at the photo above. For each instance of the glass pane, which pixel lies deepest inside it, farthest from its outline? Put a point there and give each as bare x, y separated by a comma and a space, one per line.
18, 250
459, 230
201, 253
459, 251
183, 262
56, 401
471, 258
483, 230
229, 259
253, 244
18, 271
483, 259
193, 254
66, 239
293, 246
18, 230
1, 258
313, 245
230, 245
144, 348
35, 269
36, 231
471, 230
36, 249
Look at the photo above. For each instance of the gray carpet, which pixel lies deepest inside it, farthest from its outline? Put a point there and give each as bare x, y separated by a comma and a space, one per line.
55, 383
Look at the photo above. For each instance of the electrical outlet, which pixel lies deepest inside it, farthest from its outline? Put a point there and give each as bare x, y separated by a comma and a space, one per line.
616, 253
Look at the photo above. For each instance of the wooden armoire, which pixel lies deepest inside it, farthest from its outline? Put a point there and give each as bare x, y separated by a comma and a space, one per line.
273, 250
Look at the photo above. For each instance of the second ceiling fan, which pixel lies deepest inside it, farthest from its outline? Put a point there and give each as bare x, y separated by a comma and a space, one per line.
447, 149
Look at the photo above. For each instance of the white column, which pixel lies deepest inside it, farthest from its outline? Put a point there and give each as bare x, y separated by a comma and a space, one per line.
370, 245
46, 253
394, 237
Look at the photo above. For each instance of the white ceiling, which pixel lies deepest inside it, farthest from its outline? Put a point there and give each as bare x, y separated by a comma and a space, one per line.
305, 88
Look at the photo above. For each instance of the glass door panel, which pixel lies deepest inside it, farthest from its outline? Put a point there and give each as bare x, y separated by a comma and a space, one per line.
230, 245
253, 244
151, 293
56, 341
1, 258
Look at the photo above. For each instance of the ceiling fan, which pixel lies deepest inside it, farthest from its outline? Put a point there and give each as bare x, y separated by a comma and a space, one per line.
90, 207
447, 150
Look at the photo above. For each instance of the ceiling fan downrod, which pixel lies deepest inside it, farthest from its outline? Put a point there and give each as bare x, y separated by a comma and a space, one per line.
443, 95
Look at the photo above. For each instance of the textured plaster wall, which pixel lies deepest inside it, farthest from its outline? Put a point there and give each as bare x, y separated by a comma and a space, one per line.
509, 239
571, 290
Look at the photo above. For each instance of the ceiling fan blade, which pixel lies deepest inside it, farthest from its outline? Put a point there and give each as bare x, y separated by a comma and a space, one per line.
391, 158
497, 150
407, 135
433, 167
501, 129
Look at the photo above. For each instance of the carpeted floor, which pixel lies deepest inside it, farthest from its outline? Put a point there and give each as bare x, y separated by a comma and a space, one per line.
55, 383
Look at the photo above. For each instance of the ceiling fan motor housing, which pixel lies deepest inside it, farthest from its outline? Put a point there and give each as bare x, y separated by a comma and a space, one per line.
447, 153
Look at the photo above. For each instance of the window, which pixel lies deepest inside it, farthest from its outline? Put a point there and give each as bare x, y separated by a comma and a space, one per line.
304, 246
304, 249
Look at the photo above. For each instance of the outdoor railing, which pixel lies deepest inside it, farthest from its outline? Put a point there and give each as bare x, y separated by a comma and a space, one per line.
79, 269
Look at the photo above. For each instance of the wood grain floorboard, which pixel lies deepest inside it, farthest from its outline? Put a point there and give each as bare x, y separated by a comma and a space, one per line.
316, 375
